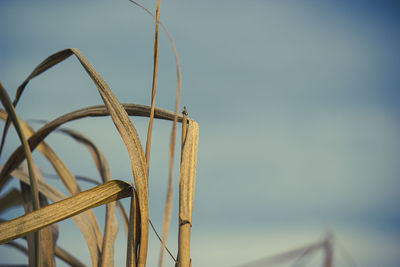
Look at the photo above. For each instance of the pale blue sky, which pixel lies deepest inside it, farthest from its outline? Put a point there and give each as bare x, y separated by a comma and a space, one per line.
297, 102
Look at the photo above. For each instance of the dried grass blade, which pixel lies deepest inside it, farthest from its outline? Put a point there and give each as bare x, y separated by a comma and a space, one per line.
64, 209
87, 221
171, 41
154, 87
6, 101
132, 142
187, 182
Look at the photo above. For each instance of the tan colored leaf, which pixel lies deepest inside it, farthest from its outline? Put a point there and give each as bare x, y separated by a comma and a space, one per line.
64, 209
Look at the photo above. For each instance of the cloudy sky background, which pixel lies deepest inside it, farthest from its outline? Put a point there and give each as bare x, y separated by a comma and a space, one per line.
297, 102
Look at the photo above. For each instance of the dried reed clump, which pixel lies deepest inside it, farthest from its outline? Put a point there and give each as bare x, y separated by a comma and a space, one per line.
38, 226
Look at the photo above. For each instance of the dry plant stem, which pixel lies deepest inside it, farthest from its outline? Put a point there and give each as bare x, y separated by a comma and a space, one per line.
178, 64
187, 182
154, 88
6, 101
183, 228
100, 195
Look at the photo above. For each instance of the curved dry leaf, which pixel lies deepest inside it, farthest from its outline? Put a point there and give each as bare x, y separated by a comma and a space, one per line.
64, 209
94, 111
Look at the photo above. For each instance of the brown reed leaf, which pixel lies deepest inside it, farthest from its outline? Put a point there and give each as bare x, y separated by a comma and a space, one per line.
63, 209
